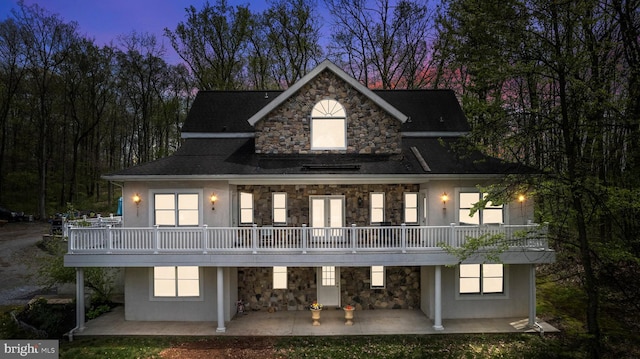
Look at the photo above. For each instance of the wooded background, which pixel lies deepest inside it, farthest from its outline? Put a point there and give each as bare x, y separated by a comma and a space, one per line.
554, 85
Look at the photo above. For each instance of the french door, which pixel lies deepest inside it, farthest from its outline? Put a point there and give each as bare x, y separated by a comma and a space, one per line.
326, 212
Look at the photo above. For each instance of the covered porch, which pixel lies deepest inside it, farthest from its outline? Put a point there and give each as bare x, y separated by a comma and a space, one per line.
299, 323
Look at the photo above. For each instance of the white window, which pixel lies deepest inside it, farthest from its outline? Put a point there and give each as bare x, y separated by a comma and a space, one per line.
481, 278
246, 208
176, 281
491, 214
328, 126
328, 276
279, 277
279, 208
377, 207
411, 208
377, 276
176, 209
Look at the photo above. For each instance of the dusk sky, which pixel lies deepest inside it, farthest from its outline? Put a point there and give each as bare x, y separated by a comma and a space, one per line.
105, 20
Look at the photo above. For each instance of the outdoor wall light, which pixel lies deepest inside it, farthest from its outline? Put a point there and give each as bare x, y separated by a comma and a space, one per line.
137, 199
444, 197
213, 199
360, 202
521, 198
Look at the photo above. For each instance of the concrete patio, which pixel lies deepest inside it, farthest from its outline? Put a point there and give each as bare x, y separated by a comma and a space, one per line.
299, 323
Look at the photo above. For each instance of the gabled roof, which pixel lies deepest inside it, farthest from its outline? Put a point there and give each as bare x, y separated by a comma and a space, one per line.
327, 65
220, 112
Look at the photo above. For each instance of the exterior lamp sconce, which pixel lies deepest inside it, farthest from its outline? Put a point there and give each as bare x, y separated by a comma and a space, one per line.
360, 202
521, 199
137, 200
445, 199
213, 200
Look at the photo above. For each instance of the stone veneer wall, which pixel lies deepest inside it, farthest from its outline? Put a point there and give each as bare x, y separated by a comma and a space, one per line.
402, 290
286, 130
298, 201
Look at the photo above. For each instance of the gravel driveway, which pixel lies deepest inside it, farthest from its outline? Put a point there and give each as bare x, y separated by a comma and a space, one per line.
18, 257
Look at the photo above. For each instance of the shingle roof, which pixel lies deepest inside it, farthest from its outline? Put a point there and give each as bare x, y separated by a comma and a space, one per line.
226, 157
228, 111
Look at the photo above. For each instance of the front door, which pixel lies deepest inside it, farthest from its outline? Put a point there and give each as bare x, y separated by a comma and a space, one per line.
328, 279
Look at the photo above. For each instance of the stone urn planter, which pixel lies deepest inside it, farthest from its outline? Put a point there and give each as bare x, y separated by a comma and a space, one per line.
315, 316
348, 314
315, 308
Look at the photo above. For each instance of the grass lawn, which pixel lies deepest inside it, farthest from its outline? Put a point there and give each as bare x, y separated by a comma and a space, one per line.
401, 346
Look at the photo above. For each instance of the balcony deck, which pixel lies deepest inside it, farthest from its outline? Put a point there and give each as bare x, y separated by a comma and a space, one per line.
229, 245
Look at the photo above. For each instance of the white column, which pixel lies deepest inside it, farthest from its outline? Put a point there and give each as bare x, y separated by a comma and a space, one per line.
221, 328
80, 317
437, 321
532, 295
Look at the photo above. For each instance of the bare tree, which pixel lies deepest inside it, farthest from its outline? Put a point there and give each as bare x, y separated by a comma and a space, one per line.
293, 36
47, 41
11, 74
213, 43
384, 45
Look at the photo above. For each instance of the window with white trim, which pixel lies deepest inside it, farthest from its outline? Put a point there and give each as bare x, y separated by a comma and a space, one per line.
176, 209
328, 276
279, 201
481, 279
377, 276
491, 214
176, 282
246, 208
411, 208
377, 207
328, 126
279, 277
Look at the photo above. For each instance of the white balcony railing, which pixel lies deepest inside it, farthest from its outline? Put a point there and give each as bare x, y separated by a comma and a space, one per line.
403, 238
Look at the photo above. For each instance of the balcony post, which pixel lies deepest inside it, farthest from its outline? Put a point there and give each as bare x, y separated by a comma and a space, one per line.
452, 235
304, 239
403, 238
72, 239
109, 240
220, 298
80, 315
532, 295
437, 319
156, 239
353, 238
254, 238
205, 234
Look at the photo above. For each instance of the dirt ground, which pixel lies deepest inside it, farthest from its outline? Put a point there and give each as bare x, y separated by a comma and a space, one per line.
238, 348
18, 261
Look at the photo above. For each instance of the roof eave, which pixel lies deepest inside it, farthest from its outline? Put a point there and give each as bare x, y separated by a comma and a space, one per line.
302, 179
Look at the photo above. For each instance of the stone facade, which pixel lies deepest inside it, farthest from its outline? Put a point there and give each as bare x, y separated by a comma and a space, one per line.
402, 289
286, 130
356, 211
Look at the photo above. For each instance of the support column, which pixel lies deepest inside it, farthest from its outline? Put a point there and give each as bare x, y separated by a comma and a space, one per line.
220, 291
437, 321
532, 295
80, 315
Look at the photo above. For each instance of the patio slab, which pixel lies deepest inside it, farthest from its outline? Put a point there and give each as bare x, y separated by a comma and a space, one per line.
298, 323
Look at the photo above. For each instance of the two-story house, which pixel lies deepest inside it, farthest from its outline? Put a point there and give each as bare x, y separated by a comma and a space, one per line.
326, 191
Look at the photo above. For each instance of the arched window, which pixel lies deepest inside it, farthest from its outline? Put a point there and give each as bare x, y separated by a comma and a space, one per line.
328, 126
